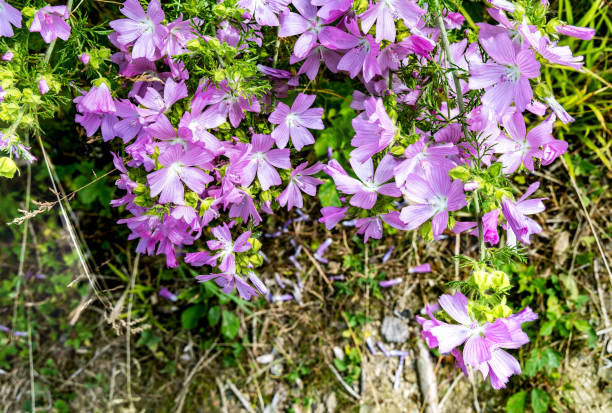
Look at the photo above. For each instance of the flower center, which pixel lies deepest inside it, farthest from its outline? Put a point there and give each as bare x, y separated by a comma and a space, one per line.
513, 73
371, 186
439, 202
176, 167
291, 120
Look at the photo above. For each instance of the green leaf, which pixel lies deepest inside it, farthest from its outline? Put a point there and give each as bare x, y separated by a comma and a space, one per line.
229, 325
328, 195
214, 315
547, 328
539, 401
7, 167
191, 316
516, 403
542, 359
582, 325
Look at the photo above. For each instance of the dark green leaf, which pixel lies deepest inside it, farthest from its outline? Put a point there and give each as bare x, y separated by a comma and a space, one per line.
539, 401
214, 315
191, 316
229, 325
516, 403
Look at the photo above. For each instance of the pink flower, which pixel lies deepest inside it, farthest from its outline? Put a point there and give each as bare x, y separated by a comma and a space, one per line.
583, 33
332, 9
520, 225
294, 122
300, 181
519, 146
228, 247
262, 161
332, 215
180, 167
507, 78
374, 130
385, 12
98, 100
433, 197
264, 11
369, 184
145, 30
49, 21
227, 282
43, 86
9, 17
155, 105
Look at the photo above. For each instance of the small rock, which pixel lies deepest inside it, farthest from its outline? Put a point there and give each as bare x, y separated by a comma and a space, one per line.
276, 369
265, 359
338, 353
331, 403
395, 330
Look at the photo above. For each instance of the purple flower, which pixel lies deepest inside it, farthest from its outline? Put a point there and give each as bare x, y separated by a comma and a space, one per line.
49, 21
332, 215
8, 16
583, 33
97, 100
300, 181
558, 110
264, 11
180, 33
224, 101
370, 227
262, 161
369, 184
507, 77
43, 86
421, 157
145, 30
476, 337
385, 12
362, 51
550, 50
489, 227
294, 122
420, 269
227, 282
197, 259
84, 58
164, 292
307, 24
321, 250
225, 243
155, 105
8, 56
332, 9
433, 197
521, 226
374, 130
180, 167
518, 146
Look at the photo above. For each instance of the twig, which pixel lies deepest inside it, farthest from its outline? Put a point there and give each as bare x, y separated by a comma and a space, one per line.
240, 397
128, 333
427, 378
450, 389
348, 388
222, 393
588, 217
600, 294
316, 265
203, 362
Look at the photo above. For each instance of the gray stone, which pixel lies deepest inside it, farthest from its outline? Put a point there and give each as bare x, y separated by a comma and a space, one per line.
395, 330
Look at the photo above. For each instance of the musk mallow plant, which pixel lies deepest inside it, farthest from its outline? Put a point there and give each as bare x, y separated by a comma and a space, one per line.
215, 110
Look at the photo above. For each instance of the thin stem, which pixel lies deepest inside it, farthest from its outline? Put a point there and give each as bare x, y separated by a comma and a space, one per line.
129, 332
461, 105
481, 243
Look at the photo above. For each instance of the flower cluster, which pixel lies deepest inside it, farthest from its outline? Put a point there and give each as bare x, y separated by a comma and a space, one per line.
217, 132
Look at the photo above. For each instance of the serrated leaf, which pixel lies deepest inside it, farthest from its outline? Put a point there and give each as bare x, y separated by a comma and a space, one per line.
539, 401
516, 402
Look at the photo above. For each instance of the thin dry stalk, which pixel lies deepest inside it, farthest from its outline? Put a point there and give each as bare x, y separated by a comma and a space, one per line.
128, 334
